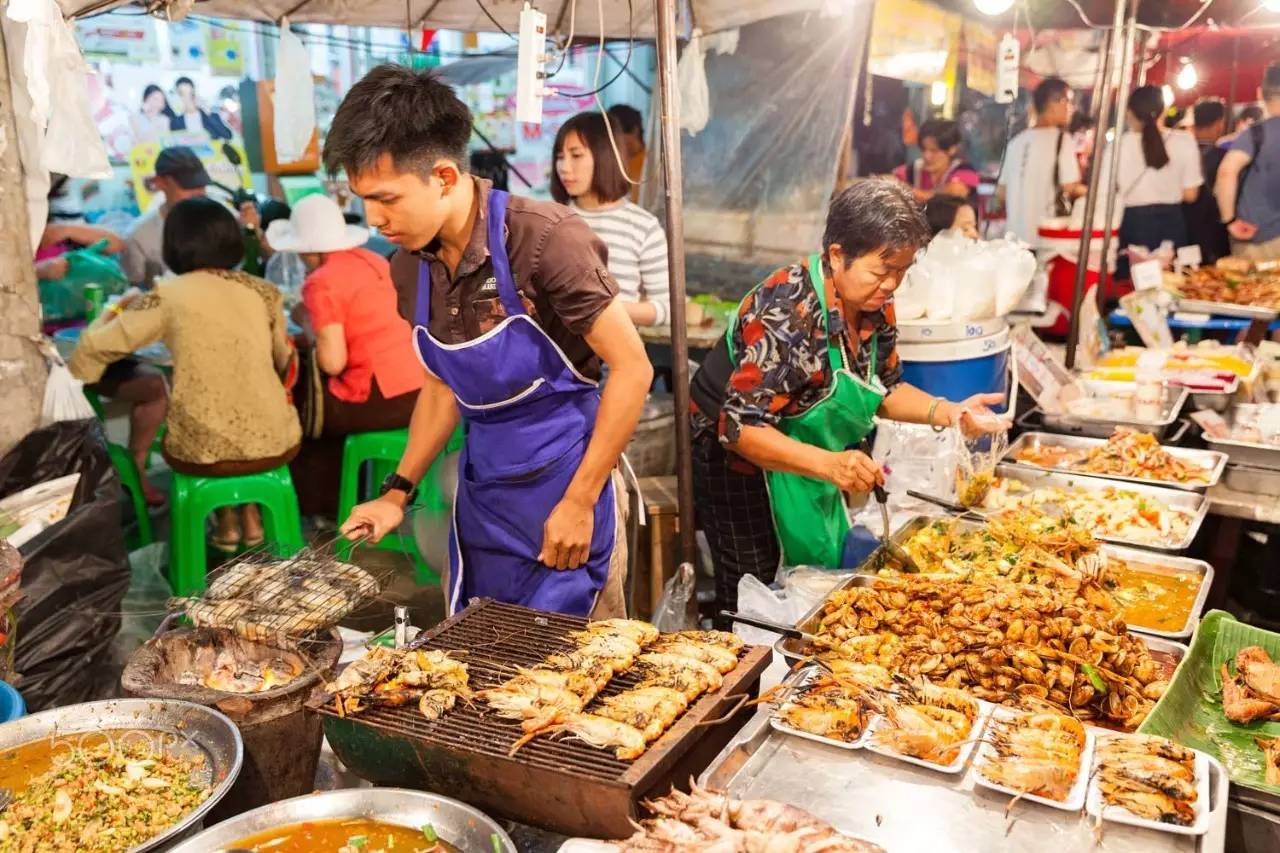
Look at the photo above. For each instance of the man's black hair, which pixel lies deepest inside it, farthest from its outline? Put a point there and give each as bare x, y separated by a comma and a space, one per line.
1049, 90
181, 80
1251, 113
1209, 111
627, 119
944, 132
201, 234
875, 215
607, 179
413, 116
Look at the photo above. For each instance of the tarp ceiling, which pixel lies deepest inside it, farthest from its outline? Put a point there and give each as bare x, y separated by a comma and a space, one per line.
466, 15
1152, 13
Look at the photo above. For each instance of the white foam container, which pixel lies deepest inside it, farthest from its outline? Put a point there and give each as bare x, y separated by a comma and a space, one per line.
1095, 806
1075, 798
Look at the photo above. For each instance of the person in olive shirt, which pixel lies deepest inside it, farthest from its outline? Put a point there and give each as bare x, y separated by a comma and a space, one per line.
514, 312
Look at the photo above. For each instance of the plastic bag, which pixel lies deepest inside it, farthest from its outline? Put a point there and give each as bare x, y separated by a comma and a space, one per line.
757, 599
672, 612
691, 81
76, 571
64, 398
295, 97
976, 461
144, 604
916, 457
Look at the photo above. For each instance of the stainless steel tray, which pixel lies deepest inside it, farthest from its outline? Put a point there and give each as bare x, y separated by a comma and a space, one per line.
1255, 481
1209, 459
1151, 559
1250, 453
795, 650
1192, 502
1175, 396
1227, 309
907, 808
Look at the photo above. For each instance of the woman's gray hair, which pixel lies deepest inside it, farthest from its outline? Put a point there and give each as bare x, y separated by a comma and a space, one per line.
875, 215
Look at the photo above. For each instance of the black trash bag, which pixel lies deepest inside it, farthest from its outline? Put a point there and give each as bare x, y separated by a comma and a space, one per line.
76, 572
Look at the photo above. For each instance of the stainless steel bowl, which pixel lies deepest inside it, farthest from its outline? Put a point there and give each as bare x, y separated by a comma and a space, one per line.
182, 728
456, 823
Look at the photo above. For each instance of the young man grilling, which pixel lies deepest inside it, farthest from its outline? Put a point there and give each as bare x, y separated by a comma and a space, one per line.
513, 313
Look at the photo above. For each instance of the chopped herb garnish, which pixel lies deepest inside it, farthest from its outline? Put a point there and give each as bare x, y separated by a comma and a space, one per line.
429, 832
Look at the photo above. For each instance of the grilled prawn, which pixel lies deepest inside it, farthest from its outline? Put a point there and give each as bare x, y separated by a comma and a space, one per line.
651, 710
720, 658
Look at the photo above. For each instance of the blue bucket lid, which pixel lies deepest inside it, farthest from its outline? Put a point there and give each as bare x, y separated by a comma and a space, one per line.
11, 705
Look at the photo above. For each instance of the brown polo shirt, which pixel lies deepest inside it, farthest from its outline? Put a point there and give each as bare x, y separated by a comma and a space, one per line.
558, 263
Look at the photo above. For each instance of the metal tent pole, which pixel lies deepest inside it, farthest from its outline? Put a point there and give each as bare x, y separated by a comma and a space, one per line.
664, 13
1100, 117
1113, 182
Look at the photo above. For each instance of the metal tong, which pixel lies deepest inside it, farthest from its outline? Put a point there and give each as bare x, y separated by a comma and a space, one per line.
892, 549
950, 506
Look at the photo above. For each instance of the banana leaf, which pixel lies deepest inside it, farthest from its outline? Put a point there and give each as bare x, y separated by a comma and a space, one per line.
1190, 712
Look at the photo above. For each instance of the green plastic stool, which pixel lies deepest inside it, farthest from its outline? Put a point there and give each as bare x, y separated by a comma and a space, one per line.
382, 450
123, 462
193, 498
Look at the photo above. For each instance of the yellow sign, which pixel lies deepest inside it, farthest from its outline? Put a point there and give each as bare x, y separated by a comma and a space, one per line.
142, 164
226, 52
913, 40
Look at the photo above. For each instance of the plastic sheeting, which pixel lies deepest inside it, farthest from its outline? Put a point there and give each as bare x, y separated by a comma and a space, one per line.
758, 176
76, 571
295, 98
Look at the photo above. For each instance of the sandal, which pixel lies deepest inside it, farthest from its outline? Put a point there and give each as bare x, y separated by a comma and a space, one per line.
228, 545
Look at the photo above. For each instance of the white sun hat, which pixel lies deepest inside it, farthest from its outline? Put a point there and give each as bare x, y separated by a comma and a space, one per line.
315, 225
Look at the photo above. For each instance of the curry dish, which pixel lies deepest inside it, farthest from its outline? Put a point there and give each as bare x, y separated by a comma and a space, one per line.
1152, 597
357, 835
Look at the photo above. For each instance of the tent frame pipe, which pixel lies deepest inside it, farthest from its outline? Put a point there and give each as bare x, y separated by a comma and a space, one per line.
1113, 183
664, 13
1101, 115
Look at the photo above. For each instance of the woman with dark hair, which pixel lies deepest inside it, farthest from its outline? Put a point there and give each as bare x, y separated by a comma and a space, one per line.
797, 381
587, 177
154, 118
1159, 172
229, 413
940, 168
949, 213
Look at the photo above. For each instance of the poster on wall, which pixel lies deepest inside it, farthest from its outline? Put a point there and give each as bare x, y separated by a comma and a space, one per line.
226, 51
980, 57
113, 36
913, 40
187, 44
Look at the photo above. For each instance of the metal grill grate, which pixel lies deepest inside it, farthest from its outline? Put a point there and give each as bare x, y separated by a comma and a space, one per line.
495, 637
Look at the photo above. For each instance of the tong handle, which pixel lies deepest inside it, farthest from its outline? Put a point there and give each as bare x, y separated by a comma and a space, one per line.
882, 497
765, 624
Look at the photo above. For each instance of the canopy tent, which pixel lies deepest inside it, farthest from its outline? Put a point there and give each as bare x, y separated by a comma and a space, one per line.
1155, 14
621, 18
1229, 61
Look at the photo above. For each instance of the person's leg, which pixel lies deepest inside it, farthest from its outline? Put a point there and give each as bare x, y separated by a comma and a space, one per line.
733, 510
226, 537
251, 524
146, 390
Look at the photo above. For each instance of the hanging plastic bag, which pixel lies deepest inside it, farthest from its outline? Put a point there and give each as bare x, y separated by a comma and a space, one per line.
64, 398
295, 97
691, 80
672, 612
976, 461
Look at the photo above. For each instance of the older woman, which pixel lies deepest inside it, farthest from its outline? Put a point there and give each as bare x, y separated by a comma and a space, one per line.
229, 412
797, 381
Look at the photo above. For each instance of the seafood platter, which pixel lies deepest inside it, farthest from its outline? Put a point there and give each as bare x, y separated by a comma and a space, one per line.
540, 717
1233, 288
1127, 456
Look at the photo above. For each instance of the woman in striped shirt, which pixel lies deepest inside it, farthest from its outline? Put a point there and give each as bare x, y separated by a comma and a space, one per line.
587, 177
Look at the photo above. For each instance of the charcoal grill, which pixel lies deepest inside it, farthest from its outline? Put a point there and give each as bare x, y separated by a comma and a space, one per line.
561, 785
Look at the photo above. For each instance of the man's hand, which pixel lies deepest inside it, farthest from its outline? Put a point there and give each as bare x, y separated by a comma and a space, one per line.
1242, 230
854, 471
375, 519
249, 215
566, 536
52, 269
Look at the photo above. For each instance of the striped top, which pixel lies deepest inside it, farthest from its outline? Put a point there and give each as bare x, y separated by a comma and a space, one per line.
637, 254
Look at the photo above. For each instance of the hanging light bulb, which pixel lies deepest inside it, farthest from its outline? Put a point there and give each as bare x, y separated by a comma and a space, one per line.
999, 7
938, 93
1188, 77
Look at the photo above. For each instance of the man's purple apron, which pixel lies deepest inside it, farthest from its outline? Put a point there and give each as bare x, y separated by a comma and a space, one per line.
529, 416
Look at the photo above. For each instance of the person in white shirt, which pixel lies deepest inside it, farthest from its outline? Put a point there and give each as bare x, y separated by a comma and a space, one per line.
588, 178
1041, 174
1159, 172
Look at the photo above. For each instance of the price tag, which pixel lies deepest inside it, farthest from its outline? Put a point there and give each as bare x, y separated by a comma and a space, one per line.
1148, 275
1189, 256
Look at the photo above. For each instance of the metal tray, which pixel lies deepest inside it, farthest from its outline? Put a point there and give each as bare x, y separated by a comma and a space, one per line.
1255, 481
1210, 459
1251, 453
1192, 502
907, 808
1227, 309
1151, 559
1175, 396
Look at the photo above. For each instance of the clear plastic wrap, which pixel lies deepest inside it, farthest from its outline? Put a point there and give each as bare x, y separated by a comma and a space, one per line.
976, 461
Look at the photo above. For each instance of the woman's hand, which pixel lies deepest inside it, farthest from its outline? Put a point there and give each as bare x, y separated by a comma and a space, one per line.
1242, 230
854, 471
375, 519
974, 415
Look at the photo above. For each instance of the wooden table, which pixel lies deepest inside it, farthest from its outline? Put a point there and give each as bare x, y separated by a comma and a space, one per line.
658, 543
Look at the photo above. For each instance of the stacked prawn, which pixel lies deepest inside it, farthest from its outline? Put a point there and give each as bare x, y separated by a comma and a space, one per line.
1035, 753
397, 677
1151, 777
835, 705
927, 722
705, 822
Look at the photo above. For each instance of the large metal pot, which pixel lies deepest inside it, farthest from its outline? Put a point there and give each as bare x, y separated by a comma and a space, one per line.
456, 823
182, 727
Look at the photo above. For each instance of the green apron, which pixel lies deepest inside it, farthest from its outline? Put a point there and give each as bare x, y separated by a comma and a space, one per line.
810, 516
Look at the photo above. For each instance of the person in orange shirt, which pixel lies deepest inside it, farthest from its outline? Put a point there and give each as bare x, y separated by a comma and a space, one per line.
631, 146
364, 375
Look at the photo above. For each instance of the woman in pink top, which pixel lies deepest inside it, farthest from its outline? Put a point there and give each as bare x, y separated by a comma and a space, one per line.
363, 347
940, 168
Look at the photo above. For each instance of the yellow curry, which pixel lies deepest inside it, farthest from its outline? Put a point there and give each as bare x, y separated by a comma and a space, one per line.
1154, 597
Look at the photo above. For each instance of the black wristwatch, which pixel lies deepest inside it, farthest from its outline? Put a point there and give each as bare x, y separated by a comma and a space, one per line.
396, 483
